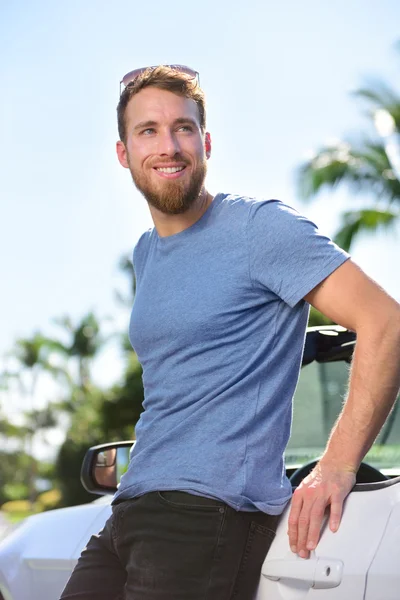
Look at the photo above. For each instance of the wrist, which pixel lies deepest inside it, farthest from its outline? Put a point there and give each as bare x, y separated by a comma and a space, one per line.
338, 463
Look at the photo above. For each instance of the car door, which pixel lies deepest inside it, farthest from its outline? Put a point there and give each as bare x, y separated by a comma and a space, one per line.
55, 546
339, 567
346, 565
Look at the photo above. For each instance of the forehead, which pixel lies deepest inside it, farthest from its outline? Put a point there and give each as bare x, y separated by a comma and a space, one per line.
162, 106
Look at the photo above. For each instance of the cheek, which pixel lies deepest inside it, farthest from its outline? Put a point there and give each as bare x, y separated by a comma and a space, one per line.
138, 155
196, 150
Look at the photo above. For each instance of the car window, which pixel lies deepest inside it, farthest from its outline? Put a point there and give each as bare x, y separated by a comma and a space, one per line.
317, 403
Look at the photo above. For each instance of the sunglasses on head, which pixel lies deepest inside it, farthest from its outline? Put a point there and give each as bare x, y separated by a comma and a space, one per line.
132, 75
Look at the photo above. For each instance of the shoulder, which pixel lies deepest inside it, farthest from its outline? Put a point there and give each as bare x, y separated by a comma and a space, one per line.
261, 215
144, 240
142, 246
280, 217
249, 205
264, 214
254, 205
274, 207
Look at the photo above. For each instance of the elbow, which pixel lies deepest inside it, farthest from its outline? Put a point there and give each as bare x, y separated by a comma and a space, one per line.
388, 323
396, 324
394, 318
382, 323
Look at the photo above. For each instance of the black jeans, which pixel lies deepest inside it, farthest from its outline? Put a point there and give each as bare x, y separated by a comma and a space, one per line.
174, 546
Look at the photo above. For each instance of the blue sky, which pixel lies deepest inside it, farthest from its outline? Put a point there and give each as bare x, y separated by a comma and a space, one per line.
277, 78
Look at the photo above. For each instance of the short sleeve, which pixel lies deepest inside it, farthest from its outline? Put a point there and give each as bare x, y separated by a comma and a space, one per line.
140, 253
287, 253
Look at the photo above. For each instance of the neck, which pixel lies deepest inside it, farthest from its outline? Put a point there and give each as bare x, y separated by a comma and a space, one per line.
171, 224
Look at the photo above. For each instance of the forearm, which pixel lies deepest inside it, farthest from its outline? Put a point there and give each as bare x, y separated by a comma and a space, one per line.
353, 300
373, 387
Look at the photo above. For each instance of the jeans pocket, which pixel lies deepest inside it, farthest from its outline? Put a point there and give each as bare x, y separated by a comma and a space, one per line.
259, 540
183, 500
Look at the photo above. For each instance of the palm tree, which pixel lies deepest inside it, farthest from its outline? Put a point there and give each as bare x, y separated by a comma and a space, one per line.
9, 430
33, 358
84, 345
369, 165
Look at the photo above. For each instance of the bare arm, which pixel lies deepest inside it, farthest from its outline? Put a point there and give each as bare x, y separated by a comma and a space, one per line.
353, 300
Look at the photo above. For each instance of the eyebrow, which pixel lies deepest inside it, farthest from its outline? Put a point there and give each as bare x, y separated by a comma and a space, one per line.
179, 121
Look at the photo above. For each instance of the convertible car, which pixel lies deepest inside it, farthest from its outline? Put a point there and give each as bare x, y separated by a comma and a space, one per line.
359, 562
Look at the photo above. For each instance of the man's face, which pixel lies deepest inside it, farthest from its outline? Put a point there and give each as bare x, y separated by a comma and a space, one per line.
165, 150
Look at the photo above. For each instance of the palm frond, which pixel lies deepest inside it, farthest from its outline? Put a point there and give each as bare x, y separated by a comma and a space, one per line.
9, 430
368, 166
364, 168
381, 97
379, 93
354, 222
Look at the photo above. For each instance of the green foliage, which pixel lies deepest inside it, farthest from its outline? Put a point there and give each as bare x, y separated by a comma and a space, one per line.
37, 419
14, 475
317, 318
122, 406
353, 222
126, 267
15, 491
30, 351
10, 430
85, 342
48, 500
17, 510
33, 355
21, 508
365, 166
104, 416
97, 416
16, 506
68, 468
45, 471
84, 431
381, 96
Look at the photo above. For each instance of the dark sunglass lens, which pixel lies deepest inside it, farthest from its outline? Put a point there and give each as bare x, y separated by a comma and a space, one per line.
131, 76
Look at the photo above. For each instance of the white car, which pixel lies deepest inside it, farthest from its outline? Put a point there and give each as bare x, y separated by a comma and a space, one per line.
359, 562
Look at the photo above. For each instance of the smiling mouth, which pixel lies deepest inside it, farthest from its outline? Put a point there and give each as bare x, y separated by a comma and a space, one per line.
169, 169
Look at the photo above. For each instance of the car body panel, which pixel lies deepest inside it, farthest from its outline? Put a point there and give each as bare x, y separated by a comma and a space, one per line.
360, 544
37, 558
384, 573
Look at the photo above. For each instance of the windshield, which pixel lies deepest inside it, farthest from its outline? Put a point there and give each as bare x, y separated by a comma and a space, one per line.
317, 403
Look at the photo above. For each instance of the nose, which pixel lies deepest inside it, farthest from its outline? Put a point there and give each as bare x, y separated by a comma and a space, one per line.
168, 144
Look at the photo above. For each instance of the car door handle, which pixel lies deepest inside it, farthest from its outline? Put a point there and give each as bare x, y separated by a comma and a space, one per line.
319, 573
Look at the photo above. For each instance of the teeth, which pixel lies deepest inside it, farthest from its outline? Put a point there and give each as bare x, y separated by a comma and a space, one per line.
170, 169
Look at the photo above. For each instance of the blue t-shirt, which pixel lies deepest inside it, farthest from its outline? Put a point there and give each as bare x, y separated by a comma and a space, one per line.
218, 324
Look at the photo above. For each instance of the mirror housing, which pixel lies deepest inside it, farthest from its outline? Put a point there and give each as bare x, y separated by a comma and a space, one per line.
104, 465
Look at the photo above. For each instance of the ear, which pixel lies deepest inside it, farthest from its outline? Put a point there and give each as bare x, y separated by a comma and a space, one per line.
122, 154
207, 143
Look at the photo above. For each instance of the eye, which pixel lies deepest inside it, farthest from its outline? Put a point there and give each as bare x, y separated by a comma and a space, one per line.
148, 131
185, 128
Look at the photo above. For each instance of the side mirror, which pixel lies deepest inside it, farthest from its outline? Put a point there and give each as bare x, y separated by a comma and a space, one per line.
104, 465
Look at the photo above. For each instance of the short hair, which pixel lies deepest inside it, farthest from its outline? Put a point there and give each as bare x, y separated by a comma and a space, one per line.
163, 78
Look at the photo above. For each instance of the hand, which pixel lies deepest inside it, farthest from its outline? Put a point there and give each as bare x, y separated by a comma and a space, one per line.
326, 486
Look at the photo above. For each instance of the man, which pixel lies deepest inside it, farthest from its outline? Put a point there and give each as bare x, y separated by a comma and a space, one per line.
223, 289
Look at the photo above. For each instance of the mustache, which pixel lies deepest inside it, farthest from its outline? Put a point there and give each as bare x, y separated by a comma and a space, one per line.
177, 159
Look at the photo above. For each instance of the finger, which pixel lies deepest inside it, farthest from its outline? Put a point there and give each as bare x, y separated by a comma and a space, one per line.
336, 512
302, 530
294, 514
316, 519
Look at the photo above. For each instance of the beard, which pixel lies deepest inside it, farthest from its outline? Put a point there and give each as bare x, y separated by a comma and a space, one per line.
171, 197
